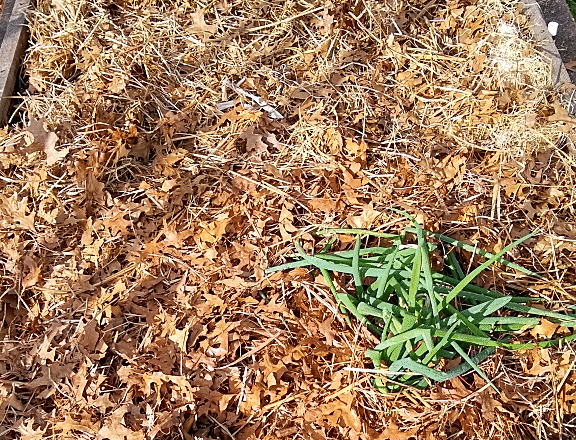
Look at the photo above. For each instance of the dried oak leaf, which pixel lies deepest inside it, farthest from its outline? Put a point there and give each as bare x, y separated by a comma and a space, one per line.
257, 142
325, 22
117, 223
254, 144
32, 278
27, 432
545, 329
571, 65
9, 401
562, 115
69, 424
336, 412
357, 149
333, 140
214, 231
200, 27
44, 353
117, 84
392, 432
38, 138
180, 337
114, 428
366, 219
14, 212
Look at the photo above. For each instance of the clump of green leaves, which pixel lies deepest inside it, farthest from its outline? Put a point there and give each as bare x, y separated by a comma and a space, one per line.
423, 316
572, 7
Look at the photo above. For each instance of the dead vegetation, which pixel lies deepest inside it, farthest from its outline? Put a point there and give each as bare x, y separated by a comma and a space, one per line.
136, 219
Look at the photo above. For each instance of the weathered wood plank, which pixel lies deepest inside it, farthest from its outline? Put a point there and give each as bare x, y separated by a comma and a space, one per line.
13, 41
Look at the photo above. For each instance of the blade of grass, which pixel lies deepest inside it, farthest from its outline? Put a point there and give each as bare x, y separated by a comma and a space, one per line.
355, 231
454, 262
475, 366
322, 263
479, 294
439, 345
485, 254
350, 303
326, 248
415, 279
415, 334
468, 278
425, 256
356, 268
383, 306
334, 292
439, 376
287, 266
383, 279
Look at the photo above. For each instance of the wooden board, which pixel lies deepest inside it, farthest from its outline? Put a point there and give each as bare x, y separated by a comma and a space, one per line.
545, 42
13, 41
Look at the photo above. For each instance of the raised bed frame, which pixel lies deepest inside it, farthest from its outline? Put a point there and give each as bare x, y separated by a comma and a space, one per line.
13, 41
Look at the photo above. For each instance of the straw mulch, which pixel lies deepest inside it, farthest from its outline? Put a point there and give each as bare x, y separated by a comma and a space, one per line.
137, 214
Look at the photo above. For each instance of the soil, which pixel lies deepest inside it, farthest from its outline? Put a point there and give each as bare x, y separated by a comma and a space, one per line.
557, 10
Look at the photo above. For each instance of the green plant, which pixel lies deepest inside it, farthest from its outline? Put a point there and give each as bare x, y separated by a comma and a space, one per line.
572, 6
423, 316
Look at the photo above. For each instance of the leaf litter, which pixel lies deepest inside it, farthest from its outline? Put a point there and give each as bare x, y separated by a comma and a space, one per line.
137, 219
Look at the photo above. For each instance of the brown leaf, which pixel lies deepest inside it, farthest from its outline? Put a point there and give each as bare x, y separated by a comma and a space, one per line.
69, 424
489, 405
325, 204
214, 231
27, 432
334, 140
252, 400
357, 149
392, 432
560, 113
570, 65
114, 428
366, 219
117, 224
324, 22
545, 329
255, 144
179, 337
117, 84
44, 351
326, 329
91, 336
9, 399
40, 139
199, 25
32, 278
15, 211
